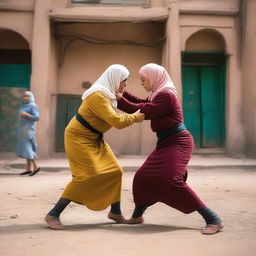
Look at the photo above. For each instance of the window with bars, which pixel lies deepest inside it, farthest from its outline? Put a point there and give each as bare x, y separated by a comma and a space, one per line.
112, 2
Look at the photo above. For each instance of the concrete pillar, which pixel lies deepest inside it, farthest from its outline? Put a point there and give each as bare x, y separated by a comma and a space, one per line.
172, 51
234, 127
249, 76
40, 73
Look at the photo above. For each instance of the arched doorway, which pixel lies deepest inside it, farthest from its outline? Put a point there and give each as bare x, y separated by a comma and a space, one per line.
15, 72
203, 86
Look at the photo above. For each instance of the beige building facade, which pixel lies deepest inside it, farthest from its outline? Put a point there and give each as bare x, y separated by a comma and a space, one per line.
208, 47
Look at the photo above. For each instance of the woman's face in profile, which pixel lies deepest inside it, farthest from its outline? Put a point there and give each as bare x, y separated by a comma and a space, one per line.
26, 98
145, 83
123, 84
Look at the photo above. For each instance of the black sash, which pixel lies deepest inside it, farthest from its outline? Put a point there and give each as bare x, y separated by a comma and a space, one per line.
162, 135
80, 119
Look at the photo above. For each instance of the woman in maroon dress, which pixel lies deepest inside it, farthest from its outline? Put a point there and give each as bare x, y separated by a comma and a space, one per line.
162, 177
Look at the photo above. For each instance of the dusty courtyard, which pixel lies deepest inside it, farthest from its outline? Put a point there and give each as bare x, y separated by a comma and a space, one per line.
26, 200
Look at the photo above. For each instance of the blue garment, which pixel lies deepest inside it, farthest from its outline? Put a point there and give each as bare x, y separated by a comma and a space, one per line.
26, 133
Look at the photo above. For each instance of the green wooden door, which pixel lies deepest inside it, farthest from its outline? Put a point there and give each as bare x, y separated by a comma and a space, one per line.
67, 107
203, 104
191, 101
210, 107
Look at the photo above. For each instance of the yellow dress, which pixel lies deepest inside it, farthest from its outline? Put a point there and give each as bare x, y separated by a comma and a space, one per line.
96, 173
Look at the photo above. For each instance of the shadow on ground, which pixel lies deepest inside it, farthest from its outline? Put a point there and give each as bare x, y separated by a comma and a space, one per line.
112, 227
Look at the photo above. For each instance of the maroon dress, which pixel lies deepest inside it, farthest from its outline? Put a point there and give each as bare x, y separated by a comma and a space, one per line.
162, 177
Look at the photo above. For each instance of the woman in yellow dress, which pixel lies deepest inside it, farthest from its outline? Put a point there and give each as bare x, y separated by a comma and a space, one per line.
96, 174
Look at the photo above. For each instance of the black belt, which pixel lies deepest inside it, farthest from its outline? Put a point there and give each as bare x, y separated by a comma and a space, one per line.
162, 135
80, 119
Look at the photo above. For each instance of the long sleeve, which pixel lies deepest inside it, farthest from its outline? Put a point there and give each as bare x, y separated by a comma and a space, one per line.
34, 113
130, 103
160, 106
132, 98
127, 106
101, 106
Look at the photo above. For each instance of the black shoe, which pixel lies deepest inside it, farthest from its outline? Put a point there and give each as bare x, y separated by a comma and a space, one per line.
26, 172
34, 172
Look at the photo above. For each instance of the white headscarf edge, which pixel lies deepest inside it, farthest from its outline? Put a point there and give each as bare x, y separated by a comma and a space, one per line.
109, 82
31, 96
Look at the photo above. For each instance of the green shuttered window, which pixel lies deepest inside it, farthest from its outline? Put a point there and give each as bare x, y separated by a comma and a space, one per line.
15, 75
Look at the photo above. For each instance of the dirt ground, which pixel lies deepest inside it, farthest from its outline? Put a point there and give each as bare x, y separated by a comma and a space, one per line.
26, 200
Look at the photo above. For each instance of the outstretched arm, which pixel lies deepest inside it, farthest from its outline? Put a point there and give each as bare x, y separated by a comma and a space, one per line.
132, 98
102, 107
129, 103
127, 106
160, 106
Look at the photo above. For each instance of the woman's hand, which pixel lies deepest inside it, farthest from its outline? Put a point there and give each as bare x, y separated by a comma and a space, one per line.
25, 114
119, 95
140, 116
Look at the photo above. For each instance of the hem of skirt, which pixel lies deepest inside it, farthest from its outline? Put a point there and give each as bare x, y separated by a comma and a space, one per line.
183, 211
88, 206
27, 157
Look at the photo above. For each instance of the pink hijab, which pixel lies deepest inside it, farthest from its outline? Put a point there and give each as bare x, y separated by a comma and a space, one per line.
158, 77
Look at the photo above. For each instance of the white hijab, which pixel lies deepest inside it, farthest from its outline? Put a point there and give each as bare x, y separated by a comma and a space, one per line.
109, 82
31, 96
